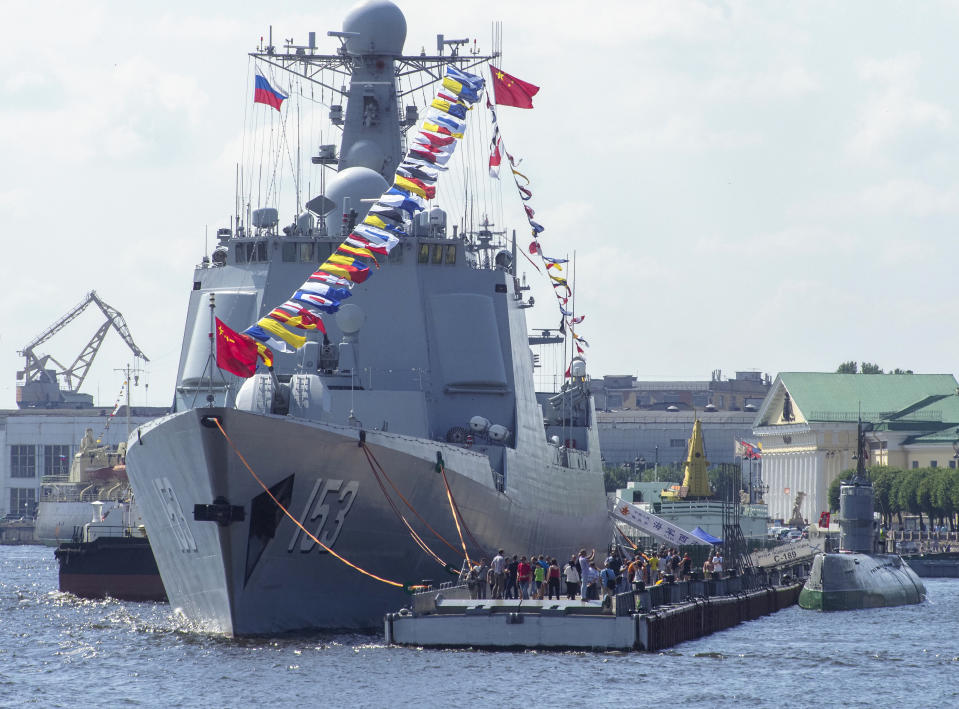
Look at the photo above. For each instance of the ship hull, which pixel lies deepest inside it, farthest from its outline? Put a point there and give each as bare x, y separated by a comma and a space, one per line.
262, 574
848, 581
114, 567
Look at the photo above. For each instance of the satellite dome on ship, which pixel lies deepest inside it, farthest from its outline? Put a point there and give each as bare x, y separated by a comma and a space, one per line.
381, 28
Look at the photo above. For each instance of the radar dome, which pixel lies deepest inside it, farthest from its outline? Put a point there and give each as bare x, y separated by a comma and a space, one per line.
365, 153
350, 318
356, 183
381, 28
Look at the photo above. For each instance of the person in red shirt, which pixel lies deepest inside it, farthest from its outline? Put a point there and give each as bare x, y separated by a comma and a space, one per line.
524, 573
552, 579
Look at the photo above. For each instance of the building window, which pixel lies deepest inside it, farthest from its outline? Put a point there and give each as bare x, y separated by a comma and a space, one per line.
952, 463
56, 460
23, 501
23, 461
933, 463
915, 464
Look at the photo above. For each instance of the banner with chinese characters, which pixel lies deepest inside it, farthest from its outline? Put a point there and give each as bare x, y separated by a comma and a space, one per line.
653, 526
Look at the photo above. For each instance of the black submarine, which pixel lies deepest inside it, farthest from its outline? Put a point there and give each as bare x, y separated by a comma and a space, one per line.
855, 576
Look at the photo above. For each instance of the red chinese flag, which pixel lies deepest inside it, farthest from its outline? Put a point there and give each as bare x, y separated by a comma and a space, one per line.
235, 353
510, 91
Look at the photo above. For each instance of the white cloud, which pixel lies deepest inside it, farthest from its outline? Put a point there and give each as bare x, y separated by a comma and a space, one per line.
715, 163
913, 197
894, 118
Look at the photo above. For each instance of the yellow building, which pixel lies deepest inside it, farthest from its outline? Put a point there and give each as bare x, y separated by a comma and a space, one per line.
807, 429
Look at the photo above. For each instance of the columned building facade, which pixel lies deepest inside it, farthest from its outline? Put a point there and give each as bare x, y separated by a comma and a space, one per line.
807, 428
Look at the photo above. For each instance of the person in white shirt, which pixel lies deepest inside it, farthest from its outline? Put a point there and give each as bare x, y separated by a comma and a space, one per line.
572, 578
717, 562
583, 566
498, 565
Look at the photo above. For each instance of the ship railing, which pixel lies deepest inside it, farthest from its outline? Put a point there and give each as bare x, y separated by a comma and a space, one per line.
60, 494
919, 536
90, 532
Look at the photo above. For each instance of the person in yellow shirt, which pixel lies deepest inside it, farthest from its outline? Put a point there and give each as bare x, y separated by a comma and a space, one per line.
653, 562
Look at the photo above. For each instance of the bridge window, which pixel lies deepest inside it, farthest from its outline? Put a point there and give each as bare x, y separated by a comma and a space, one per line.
423, 256
251, 252
294, 251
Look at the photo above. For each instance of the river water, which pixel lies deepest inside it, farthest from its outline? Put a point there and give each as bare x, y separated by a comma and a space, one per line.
58, 651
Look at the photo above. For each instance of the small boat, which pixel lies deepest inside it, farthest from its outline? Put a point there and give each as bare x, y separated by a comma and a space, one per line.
108, 558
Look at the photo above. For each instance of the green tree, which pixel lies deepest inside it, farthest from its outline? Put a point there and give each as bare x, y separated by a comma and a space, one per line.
909, 492
901, 371
849, 367
953, 498
925, 496
614, 477
870, 368
882, 477
941, 500
895, 493
833, 492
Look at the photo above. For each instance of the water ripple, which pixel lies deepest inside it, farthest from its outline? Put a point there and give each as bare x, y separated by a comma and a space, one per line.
60, 651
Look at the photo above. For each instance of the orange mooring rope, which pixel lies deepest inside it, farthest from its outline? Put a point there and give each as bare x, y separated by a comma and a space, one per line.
416, 537
295, 521
449, 496
373, 460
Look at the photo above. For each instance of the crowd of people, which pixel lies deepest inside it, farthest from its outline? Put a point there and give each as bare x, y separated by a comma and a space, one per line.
543, 577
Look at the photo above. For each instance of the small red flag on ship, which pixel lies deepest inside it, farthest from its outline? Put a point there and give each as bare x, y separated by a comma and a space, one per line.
510, 91
235, 353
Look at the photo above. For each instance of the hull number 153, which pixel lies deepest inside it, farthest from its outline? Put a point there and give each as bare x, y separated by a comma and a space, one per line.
324, 514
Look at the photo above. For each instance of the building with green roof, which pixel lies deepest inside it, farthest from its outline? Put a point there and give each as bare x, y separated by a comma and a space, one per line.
806, 427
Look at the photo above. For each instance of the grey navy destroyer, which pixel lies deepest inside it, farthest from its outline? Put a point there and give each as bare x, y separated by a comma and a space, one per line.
425, 376
856, 577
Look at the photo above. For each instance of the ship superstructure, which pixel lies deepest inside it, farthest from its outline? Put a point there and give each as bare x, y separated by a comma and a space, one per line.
304, 497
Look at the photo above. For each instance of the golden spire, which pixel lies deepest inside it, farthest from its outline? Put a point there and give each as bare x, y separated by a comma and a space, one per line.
696, 479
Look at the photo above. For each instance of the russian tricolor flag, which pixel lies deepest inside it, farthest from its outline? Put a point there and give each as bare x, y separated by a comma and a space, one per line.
264, 93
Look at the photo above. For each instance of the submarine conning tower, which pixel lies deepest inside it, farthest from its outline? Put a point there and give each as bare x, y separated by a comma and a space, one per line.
856, 505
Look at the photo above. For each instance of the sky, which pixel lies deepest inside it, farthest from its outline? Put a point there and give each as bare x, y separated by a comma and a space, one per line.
761, 186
